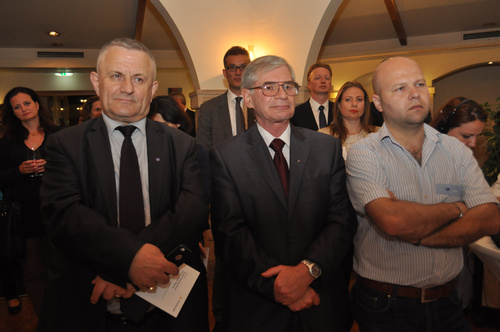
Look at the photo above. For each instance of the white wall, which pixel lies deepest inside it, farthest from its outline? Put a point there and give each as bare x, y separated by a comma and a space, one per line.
480, 84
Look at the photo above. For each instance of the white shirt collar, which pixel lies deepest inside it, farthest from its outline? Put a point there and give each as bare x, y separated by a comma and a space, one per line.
112, 124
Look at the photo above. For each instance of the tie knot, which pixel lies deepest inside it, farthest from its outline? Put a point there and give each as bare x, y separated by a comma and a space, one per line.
126, 130
238, 99
277, 144
321, 108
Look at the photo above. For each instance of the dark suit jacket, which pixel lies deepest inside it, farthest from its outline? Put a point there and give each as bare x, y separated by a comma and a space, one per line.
256, 227
192, 116
304, 117
214, 122
79, 206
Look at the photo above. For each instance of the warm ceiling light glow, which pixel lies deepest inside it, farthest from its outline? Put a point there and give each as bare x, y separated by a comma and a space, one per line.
53, 33
490, 63
64, 74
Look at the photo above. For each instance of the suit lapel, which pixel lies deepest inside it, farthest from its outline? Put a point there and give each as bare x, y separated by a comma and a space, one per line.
310, 116
225, 117
100, 153
299, 151
262, 159
159, 165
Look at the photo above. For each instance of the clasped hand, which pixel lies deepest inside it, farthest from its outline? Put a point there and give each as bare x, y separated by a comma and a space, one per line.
149, 268
291, 287
32, 166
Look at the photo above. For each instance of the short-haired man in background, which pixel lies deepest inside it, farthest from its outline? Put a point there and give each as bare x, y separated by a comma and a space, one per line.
317, 112
225, 116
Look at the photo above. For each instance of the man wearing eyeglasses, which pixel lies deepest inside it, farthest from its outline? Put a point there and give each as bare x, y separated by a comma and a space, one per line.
225, 116
317, 112
219, 119
281, 217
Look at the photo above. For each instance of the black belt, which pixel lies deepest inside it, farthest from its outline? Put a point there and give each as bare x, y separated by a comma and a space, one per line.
423, 294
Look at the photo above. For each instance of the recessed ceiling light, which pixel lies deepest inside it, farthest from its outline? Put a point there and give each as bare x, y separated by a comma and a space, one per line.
53, 33
490, 63
64, 74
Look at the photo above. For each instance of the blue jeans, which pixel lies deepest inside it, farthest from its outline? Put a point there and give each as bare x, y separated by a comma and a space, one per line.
379, 312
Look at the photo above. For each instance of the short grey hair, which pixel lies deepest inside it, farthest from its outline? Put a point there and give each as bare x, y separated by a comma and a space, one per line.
130, 44
260, 65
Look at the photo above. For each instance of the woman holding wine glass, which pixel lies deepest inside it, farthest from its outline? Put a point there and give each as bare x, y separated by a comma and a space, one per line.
22, 160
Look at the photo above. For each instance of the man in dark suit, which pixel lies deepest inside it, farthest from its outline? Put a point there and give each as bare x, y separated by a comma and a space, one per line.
282, 231
181, 100
218, 118
317, 112
98, 260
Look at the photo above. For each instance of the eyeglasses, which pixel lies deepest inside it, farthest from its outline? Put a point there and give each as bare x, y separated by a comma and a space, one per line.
270, 89
233, 68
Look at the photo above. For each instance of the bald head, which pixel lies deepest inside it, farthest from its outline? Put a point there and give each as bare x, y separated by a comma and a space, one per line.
400, 92
390, 64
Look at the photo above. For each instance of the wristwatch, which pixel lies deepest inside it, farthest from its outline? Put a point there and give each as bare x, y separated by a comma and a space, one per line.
314, 269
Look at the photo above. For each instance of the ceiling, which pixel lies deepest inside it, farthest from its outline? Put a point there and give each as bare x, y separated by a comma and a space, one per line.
89, 24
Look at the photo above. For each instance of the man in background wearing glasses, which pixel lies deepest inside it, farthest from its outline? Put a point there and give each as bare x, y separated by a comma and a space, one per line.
281, 216
225, 116
219, 119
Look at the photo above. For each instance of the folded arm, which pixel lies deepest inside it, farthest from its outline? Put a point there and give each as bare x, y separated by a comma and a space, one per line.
411, 221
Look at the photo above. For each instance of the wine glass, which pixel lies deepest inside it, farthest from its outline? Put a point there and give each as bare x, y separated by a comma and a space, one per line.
34, 154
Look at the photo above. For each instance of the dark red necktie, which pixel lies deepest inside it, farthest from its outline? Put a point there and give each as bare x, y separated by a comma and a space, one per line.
280, 163
131, 211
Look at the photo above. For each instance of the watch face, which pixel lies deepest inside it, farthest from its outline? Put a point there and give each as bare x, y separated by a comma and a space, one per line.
316, 271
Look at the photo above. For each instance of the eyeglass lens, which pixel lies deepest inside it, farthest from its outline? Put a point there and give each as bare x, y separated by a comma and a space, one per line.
271, 88
233, 68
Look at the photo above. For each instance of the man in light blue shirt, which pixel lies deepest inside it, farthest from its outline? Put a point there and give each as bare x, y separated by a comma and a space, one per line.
420, 196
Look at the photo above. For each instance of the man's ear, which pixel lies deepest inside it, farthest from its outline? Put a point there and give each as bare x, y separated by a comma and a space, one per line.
376, 102
247, 98
154, 87
94, 78
224, 73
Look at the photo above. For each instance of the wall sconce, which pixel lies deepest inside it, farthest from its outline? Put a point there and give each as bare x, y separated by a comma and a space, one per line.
250, 51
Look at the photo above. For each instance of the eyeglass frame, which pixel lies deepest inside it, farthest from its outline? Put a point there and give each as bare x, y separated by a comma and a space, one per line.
295, 84
241, 67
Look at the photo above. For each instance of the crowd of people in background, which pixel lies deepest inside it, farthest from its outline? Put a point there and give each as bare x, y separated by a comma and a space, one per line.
295, 214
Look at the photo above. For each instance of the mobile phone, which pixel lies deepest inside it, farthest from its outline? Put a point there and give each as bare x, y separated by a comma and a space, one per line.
179, 254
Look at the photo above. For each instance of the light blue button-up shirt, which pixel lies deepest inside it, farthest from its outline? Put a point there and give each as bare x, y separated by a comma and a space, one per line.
448, 173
